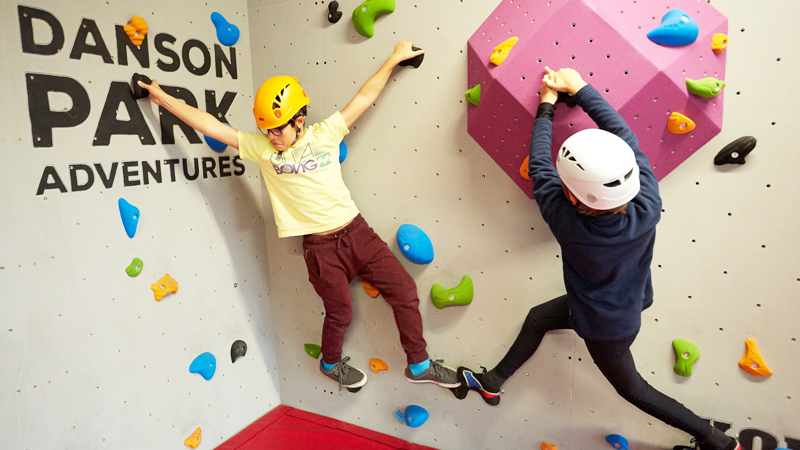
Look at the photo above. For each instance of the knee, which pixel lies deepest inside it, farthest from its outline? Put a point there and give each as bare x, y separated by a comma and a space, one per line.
533, 323
341, 317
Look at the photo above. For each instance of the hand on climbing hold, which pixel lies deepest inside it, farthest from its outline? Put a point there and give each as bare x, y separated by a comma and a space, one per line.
403, 51
546, 93
157, 95
565, 80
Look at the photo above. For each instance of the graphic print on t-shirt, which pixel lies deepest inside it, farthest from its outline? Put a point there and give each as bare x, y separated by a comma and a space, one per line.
291, 164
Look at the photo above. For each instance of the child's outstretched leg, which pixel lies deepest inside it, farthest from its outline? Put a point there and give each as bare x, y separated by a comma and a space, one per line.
552, 315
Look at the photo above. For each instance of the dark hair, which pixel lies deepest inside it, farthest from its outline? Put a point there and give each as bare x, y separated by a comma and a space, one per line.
302, 113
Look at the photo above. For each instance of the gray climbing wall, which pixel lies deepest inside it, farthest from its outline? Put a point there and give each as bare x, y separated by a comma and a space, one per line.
90, 359
725, 266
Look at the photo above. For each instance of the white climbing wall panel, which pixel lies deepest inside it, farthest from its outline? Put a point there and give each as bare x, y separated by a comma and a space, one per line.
90, 359
725, 266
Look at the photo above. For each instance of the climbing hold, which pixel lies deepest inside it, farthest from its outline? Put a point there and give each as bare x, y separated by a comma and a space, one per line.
706, 87
205, 364
413, 416
217, 146
238, 349
415, 244
376, 364
130, 216
719, 42
752, 362
474, 95
365, 14
137, 91
546, 446
567, 99
313, 350
136, 29
617, 441
459, 295
135, 267
194, 440
523, 169
227, 33
414, 62
333, 12
676, 29
735, 152
164, 286
501, 51
679, 124
686, 353
371, 290
342, 151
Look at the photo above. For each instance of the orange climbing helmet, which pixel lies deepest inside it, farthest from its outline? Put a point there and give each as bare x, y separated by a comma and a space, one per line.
277, 101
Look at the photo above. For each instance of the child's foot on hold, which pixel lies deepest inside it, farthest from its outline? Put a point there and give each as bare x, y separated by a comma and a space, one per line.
346, 375
475, 381
436, 373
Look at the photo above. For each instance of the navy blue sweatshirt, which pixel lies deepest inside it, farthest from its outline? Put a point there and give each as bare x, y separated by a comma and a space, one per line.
606, 258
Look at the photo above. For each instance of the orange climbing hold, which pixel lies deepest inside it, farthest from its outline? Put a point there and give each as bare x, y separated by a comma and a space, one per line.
376, 364
719, 42
501, 51
136, 29
194, 440
523, 169
679, 124
752, 362
546, 446
371, 290
164, 286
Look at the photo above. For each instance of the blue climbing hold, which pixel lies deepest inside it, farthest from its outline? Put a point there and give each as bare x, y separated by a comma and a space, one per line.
342, 151
130, 216
227, 33
676, 29
617, 441
205, 364
217, 146
415, 244
414, 415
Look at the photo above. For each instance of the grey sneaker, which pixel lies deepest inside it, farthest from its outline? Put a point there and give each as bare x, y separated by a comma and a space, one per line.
443, 376
346, 375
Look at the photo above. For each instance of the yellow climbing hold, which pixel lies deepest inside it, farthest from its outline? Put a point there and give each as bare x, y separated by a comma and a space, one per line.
194, 440
371, 290
164, 286
719, 42
546, 446
501, 51
752, 362
523, 169
376, 364
136, 29
679, 124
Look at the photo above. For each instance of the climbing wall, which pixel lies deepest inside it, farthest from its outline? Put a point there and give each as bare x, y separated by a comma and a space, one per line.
90, 358
725, 266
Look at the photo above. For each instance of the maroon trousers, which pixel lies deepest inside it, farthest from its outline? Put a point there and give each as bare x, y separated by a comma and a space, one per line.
334, 260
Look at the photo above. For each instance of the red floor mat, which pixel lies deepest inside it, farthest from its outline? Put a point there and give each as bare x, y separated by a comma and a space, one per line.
287, 428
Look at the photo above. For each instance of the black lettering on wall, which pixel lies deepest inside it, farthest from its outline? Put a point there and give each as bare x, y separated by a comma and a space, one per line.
230, 63
43, 118
148, 171
186, 170
108, 181
124, 43
159, 41
206, 66
209, 164
748, 436
171, 163
120, 93
29, 45
224, 166
793, 444
219, 111
237, 161
128, 172
44, 183
73, 175
168, 120
88, 26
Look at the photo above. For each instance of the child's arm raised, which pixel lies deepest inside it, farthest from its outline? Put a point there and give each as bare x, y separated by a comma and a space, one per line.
195, 118
372, 88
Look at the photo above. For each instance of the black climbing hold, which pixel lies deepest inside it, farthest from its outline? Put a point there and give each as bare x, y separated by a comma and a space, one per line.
333, 14
238, 349
354, 390
460, 392
735, 152
567, 99
415, 61
137, 91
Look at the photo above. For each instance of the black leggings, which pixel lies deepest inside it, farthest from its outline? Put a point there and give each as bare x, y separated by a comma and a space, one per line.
615, 361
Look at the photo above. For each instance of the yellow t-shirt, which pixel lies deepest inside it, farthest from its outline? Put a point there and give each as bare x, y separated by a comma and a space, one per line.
304, 182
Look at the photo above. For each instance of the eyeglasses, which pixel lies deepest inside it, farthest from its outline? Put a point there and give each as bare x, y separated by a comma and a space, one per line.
279, 131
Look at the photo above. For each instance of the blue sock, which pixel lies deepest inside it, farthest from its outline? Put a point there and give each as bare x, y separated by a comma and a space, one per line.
418, 368
327, 366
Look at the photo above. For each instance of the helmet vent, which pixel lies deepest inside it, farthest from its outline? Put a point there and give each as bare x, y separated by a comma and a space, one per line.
628, 175
579, 166
614, 183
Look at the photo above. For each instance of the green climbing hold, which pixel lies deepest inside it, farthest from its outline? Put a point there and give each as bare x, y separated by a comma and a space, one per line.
365, 14
474, 95
686, 353
135, 268
459, 295
313, 350
707, 87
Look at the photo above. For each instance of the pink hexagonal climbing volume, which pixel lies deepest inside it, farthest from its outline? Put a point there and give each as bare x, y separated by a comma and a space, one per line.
606, 41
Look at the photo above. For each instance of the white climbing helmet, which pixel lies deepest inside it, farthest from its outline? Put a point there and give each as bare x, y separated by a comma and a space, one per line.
599, 168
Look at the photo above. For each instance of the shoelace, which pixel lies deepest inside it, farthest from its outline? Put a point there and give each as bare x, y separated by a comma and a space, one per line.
436, 366
341, 370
